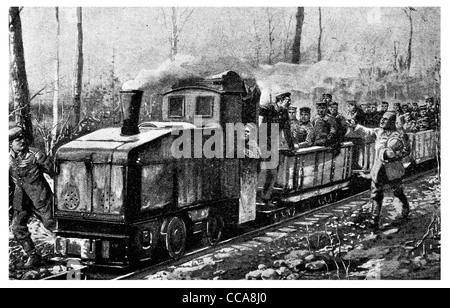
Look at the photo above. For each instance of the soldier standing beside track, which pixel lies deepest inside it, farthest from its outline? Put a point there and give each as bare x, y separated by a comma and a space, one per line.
391, 146
32, 194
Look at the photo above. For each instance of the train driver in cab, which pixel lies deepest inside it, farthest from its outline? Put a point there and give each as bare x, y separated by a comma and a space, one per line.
391, 146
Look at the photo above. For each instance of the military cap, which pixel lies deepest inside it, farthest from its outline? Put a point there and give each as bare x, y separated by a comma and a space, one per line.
351, 103
334, 104
321, 103
292, 108
305, 109
327, 95
423, 107
282, 95
15, 132
384, 103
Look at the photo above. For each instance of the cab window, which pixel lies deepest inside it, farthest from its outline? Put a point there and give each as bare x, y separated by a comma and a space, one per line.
204, 106
176, 107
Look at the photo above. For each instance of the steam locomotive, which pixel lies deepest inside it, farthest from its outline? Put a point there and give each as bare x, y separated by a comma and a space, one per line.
123, 193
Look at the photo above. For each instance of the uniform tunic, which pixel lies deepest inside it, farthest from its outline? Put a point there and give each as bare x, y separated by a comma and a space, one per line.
393, 169
325, 130
32, 194
384, 170
272, 114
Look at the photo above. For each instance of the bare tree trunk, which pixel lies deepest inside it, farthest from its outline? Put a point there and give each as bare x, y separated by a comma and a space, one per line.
56, 83
257, 44
174, 47
271, 29
113, 85
395, 56
19, 82
296, 50
175, 26
78, 71
319, 46
409, 14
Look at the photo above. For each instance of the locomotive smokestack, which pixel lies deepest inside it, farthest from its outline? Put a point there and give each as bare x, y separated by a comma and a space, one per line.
130, 102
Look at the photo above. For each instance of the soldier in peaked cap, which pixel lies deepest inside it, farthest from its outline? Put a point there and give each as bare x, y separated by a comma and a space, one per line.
391, 146
355, 113
423, 121
32, 193
340, 120
432, 112
294, 124
325, 127
276, 114
365, 107
373, 116
414, 110
305, 134
399, 115
327, 98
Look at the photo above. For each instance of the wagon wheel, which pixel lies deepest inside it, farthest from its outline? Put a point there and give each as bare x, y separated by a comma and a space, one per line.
214, 229
176, 237
292, 211
335, 196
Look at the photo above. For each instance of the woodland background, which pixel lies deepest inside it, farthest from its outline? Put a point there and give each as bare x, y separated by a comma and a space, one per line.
77, 59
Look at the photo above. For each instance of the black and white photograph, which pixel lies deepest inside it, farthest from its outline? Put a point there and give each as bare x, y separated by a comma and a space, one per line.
285, 142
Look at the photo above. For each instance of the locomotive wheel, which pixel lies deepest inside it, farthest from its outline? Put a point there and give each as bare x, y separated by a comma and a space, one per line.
176, 238
214, 229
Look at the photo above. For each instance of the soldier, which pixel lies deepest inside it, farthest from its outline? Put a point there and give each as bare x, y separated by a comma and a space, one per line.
306, 135
377, 114
423, 121
405, 108
414, 110
399, 115
384, 108
372, 118
355, 113
391, 146
251, 149
275, 114
410, 123
294, 124
327, 98
365, 107
325, 127
341, 121
32, 194
432, 113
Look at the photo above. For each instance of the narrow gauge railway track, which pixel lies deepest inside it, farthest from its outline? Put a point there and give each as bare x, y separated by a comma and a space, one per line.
142, 272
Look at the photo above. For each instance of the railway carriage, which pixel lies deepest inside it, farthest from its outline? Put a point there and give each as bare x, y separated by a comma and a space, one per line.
122, 194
